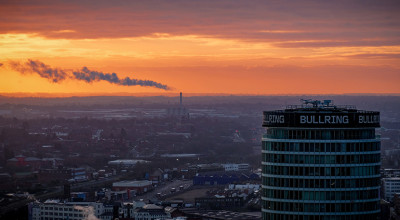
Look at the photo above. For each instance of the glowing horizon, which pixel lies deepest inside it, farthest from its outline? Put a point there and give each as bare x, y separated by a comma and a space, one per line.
224, 47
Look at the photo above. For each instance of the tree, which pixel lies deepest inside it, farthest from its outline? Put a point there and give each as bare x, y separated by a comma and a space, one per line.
123, 133
25, 125
8, 153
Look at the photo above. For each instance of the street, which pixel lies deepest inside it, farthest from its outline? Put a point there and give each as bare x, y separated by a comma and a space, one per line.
165, 190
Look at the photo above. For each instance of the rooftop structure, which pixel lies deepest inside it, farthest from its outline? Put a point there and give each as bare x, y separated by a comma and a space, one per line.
220, 215
126, 162
134, 183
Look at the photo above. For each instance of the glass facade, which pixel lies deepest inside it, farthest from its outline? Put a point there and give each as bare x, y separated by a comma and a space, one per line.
320, 173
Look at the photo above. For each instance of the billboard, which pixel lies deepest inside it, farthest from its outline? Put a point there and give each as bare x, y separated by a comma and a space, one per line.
321, 119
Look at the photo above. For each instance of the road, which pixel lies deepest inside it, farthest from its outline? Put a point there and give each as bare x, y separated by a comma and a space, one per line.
165, 190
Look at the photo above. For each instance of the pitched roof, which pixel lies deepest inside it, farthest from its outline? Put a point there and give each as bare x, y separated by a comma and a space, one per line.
151, 206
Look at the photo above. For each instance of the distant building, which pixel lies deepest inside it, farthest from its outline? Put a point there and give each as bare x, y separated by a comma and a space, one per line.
150, 212
157, 176
139, 186
46, 176
79, 196
236, 167
390, 173
223, 179
22, 161
207, 167
215, 203
33, 162
391, 186
126, 163
180, 155
252, 187
124, 210
54, 209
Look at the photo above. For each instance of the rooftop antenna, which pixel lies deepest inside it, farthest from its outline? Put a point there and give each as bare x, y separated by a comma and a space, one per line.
327, 103
315, 103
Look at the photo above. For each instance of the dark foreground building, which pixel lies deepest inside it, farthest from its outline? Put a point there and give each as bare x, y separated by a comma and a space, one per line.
320, 162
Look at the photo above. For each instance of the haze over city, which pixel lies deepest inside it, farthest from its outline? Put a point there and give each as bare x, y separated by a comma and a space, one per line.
200, 110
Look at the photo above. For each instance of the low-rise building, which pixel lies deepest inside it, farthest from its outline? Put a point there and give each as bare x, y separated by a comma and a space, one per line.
54, 209
150, 212
386, 173
236, 166
248, 186
125, 163
34, 163
219, 203
21, 161
46, 176
139, 186
390, 186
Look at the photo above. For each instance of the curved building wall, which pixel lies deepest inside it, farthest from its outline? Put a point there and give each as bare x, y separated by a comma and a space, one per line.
320, 172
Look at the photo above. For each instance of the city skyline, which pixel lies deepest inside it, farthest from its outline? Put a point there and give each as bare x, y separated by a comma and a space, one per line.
203, 47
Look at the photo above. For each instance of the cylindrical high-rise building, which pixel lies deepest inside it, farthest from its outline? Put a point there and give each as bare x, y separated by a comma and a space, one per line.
320, 162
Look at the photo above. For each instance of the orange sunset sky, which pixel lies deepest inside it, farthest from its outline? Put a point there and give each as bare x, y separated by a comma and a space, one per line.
230, 47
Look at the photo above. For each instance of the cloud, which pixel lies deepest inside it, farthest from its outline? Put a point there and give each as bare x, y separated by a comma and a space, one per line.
65, 31
245, 20
329, 43
57, 75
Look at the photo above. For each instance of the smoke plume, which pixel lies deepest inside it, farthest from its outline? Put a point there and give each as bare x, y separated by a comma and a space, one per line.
89, 76
87, 211
43, 70
57, 75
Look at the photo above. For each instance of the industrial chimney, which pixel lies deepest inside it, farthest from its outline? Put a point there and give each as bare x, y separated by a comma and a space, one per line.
181, 100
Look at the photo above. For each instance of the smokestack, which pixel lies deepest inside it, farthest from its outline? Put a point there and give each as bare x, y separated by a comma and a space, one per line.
181, 99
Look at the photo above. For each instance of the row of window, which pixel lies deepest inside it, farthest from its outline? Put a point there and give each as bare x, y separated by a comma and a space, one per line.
321, 195
271, 216
321, 147
321, 207
321, 171
51, 218
321, 183
61, 218
321, 159
320, 134
56, 208
62, 214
